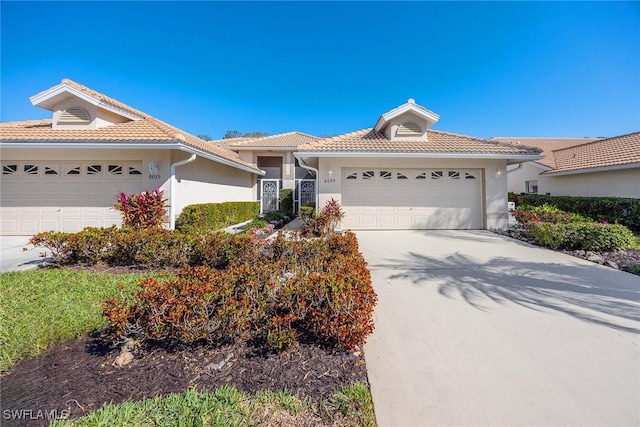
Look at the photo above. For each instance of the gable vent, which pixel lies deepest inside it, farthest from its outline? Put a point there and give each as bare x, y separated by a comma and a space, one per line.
409, 129
74, 116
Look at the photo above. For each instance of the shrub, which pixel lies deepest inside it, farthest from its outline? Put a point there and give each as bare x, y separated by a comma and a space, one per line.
286, 202
142, 210
616, 210
274, 292
321, 224
256, 223
57, 242
546, 213
217, 249
581, 235
214, 216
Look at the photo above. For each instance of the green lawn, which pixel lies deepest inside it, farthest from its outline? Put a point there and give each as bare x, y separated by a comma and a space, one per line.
226, 406
43, 307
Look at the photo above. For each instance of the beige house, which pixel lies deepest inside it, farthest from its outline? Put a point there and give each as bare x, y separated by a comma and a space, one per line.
64, 173
401, 174
275, 156
580, 167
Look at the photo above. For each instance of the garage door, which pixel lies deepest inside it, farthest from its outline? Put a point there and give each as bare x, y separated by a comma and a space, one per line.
42, 196
412, 198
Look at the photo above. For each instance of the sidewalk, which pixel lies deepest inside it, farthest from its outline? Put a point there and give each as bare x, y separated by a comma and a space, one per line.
14, 258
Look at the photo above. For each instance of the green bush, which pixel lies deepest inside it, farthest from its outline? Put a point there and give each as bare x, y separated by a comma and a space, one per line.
215, 216
580, 235
286, 201
616, 210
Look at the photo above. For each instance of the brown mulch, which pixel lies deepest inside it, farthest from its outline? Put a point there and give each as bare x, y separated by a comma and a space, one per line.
80, 375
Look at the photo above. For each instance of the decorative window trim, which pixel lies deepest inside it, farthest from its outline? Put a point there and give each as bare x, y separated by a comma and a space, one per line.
453, 175
353, 175
421, 175
30, 169
52, 170
469, 175
94, 169
115, 169
73, 169
134, 170
437, 174
368, 174
385, 175
401, 176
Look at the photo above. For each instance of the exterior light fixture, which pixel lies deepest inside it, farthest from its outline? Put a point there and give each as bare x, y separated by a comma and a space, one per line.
330, 172
153, 169
498, 172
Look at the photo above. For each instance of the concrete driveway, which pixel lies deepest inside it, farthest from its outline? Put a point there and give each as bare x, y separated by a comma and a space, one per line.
14, 258
476, 329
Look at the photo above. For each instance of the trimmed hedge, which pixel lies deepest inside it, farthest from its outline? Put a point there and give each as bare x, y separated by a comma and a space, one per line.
610, 209
580, 236
214, 216
286, 201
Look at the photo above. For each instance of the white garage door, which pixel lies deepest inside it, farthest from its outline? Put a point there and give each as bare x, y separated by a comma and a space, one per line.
61, 196
412, 198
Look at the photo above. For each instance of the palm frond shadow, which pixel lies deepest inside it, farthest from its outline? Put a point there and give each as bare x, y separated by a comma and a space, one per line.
583, 292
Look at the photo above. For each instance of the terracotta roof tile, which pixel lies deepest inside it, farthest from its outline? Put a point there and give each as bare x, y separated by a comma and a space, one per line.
547, 145
615, 151
147, 129
283, 140
369, 140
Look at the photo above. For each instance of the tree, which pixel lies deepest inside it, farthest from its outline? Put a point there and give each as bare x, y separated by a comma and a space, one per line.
237, 134
205, 137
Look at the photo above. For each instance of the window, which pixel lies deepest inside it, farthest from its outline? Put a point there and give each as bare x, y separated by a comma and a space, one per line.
31, 169
94, 169
74, 116
51, 170
368, 175
385, 174
468, 175
422, 175
531, 187
400, 175
353, 175
72, 169
436, 175
9, 169
454, 174
134, 171
115, 169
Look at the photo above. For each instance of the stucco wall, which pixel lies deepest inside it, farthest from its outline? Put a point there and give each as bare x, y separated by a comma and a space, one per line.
205, 181
288, 163
616, 183
516, 179
495, 188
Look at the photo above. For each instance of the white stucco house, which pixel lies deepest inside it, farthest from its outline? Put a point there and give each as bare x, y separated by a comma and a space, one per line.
598, 167
64, 173
401, 174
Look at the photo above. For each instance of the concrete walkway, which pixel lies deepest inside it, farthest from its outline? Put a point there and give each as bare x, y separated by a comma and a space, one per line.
476, 329
13, 257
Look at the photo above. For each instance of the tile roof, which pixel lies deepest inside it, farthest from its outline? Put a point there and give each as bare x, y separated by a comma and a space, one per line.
369, 140
547, 145
147, 129
283, 140
615, 151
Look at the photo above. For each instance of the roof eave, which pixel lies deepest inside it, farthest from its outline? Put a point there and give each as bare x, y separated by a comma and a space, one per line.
128, 145
591, 170
262, 148
46, 100
516, 158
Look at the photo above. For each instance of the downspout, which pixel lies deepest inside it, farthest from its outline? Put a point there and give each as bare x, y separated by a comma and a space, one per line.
172, 191
316, 173
514, 169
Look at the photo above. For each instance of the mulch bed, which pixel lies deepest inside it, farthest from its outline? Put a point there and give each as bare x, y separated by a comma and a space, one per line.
80, 375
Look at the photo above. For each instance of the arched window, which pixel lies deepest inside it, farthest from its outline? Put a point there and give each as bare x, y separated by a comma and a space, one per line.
74, 116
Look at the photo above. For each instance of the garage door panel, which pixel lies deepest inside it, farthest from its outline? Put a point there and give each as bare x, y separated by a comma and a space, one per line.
30, 203
426, 199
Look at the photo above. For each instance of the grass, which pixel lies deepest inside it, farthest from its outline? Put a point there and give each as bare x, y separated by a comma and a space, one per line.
43, 307
226, 406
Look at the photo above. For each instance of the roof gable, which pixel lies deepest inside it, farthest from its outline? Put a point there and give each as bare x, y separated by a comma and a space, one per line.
410, 108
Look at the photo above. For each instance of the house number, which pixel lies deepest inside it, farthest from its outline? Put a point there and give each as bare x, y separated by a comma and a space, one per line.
154, 176
329, 181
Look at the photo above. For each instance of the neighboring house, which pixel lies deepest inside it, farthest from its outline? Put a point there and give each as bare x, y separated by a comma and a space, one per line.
582, 167
275, 156
64, 173
401, 174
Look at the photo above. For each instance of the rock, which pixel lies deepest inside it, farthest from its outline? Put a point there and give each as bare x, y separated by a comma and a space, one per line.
612, 264
594, 257
220, 365
124, 358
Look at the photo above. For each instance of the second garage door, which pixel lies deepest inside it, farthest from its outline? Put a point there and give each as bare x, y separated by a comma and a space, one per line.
412, 198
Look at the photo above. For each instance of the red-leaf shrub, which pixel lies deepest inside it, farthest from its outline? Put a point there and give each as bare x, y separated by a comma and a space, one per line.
142, 210
290, 289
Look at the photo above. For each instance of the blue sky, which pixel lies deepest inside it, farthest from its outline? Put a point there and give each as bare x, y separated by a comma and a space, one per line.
489, 69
